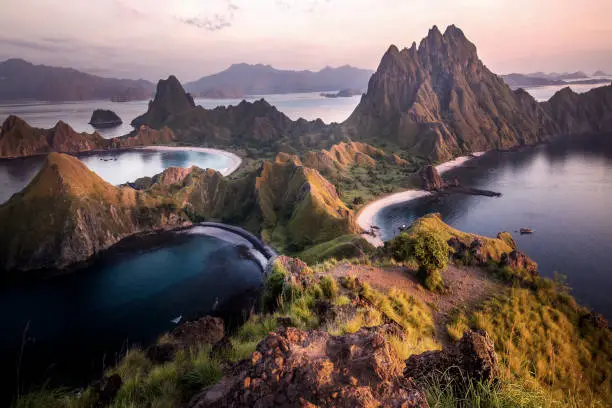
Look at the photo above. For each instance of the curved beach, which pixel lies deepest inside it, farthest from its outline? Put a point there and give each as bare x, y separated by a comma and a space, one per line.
235, 160
366, 216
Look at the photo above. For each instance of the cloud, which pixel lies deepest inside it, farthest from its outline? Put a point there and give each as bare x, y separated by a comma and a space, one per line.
45, 44
215, 22
309, 6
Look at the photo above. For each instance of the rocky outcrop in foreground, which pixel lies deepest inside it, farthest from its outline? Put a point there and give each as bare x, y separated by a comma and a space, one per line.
18, 139
313, 368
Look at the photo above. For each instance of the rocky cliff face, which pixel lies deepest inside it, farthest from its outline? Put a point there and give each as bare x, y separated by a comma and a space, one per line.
18, 139
575, 114
103, 118
67, 214
440, 100
170, 99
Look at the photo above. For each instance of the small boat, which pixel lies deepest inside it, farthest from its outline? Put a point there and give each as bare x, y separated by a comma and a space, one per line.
404, 227
526, 231
176, 320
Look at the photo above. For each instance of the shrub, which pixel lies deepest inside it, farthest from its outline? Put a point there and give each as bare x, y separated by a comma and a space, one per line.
329, 287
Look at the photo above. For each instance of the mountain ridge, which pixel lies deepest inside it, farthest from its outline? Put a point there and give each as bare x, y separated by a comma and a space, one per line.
22, 80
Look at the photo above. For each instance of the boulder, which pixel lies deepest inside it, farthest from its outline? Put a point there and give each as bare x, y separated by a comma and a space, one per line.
207, 330
430, 179
519, 261
312, 368
102, 118
473, 356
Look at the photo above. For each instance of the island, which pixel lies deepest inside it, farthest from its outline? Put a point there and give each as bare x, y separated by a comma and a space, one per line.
102, 118
345, 93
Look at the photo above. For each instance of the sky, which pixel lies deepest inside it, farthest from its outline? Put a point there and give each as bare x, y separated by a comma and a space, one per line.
152, 39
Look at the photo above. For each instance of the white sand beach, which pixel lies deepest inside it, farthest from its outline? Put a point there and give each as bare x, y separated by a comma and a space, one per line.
235, 160
366, 216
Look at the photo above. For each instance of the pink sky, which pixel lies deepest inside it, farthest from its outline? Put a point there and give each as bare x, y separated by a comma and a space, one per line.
191, 38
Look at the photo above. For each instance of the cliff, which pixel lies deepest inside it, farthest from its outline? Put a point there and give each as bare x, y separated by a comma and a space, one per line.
67, 214
439, 100
18, 139
575, 113
170, 99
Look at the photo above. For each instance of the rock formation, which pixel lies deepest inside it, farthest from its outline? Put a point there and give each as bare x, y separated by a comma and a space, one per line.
67, 214
170, 99
440, 100
472, 357
102, 118
298, 368
430, 179
575, 114
18, 139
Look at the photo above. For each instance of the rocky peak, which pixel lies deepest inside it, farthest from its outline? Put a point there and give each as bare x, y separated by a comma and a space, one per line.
170, 99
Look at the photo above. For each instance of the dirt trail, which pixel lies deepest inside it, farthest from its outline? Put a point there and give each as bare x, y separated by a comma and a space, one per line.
468, 287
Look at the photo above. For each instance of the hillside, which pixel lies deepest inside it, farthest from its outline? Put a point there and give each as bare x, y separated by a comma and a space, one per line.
21, 80
87, 216
243, 79
249, 124
18, 139
289, 205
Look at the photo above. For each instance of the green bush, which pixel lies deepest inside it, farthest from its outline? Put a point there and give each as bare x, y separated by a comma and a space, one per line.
430, 251
329, 287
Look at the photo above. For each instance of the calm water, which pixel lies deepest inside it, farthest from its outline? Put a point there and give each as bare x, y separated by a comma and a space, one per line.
78, 323
563, 192
544, 93
114, 167
77, 114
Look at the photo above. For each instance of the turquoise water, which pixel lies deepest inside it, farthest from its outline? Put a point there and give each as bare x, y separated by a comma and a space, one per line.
116, 167
77, 323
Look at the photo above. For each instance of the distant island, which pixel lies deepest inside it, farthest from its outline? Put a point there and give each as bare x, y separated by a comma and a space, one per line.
102, 118
600, 73
538, 79
22, 80
245, 79
345, 93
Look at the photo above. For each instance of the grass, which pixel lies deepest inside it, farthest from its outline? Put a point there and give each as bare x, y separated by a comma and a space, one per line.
342, 247
540, 341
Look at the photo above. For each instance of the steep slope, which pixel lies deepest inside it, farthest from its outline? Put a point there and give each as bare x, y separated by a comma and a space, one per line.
581, 113
244, 79
299, 207
440, 100
67, 214
170, 99
20, 80
18, 139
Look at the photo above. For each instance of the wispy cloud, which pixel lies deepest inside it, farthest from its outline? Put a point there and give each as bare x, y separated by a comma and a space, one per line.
216, 21
309, 6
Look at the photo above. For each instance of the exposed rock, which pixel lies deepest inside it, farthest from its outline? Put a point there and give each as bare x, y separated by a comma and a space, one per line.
207, 330
593, 319
106, 389
221, 348
18, 139
477, 251
102, 118
298, 368
170, 99
161, 353
473, 356
519, 260
144, 136
430, 179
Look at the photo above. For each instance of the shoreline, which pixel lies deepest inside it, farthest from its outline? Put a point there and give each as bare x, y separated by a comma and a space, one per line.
367, 215
235, 160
